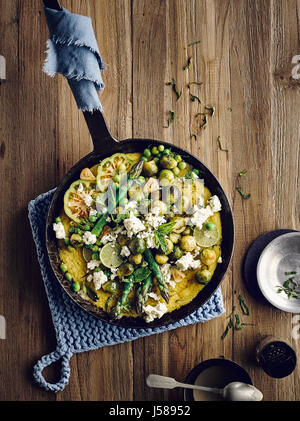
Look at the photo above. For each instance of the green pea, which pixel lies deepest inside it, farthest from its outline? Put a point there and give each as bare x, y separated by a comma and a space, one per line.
95, 256
178, 158
161, 148
95, 249
143, 158
182, 165
72, 229
154, 150
68, 276
176, 171
147, 153
141, 179
76, 286
93, 218
195, 171
210, 226
166, 151
63, 268
58, 220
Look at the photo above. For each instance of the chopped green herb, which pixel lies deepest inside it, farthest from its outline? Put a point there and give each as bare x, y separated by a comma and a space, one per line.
290, 273
238, 325
193, 43
195, 98
172, 115
244, 172
244, 307
187, 66
166, 228
248, 324
228, 327
211, 110
220, 145
194, 136
168, 125
203, 125
175, 89
244, 195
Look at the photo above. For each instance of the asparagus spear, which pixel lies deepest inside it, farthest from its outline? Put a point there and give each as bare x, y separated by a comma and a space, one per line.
142, 294
161, 282
134, 173
123, 299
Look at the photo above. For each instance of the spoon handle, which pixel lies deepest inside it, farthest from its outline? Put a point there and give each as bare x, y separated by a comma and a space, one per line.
196, 387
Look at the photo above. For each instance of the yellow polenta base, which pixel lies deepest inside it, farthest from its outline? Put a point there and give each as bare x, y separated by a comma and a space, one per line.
184, 291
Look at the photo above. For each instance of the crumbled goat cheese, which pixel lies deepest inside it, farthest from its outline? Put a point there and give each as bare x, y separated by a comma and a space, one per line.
113, 273
80, 188
149, 238
89, 238
59, 229
93, 212
99, 279
220, 259
133, 225
111, 236
132, 204
154, 219
92, 264
88, 200
125, 252
154, 312
154, 296
187, 262
166, 272
215, 204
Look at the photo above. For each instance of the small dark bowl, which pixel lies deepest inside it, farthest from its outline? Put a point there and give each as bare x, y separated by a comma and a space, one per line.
238, 374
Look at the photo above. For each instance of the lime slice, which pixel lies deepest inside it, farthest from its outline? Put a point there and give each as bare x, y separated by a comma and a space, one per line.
207, 236
110, 255
87, 254
74, 200
109, 167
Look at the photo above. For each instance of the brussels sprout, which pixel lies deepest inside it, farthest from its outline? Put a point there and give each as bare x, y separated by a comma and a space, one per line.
180, 224
166, 178
168, 162
170, 246
203, 276
136, 258
177, 253
125, 270
111, 286
161, 206
174, 237
134, 190
150, 168
188, 243
208, 257
161, 259
76, 240
187, 231
137, 246
122, 240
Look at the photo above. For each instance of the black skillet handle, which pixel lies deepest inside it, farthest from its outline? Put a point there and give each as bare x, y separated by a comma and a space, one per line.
101, 136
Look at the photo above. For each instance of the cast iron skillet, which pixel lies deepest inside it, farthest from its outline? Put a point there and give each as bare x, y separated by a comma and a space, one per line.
104, 146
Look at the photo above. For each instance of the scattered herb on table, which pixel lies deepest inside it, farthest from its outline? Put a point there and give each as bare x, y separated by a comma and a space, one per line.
243, 305
203, 124
195, 98
242, 173
170, 120
238, 325
220, 145
194, 43
244, 195
189, 61
194, 136
175, 89
211, 110
228, 327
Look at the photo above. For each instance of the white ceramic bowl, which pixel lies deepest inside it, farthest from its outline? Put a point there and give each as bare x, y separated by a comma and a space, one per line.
280, 256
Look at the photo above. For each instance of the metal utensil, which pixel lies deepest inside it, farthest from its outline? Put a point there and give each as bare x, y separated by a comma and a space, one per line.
279, 258
235, 391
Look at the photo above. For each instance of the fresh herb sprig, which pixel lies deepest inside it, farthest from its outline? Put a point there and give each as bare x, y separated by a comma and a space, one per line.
220, 145
244, 195
290, 287
188, 65
175, 89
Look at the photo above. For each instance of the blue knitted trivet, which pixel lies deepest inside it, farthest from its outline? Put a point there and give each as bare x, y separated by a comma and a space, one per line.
76, 330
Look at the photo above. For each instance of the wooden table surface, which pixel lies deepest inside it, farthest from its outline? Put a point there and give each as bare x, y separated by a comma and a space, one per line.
244, 62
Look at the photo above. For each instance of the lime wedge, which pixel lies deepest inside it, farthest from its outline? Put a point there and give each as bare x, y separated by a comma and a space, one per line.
110, 255
87, 254
207, 236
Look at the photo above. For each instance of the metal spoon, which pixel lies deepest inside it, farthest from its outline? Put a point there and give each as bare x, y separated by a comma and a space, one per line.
235, 391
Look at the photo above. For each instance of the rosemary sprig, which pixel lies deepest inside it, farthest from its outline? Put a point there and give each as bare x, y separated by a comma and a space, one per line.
175, 89
189, 61
220, 145
244, 195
